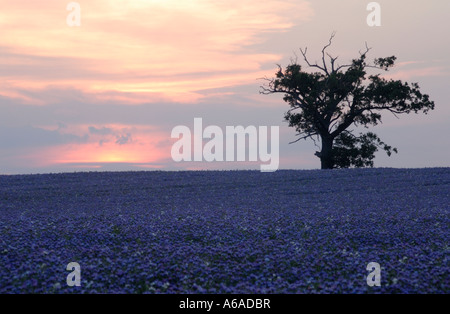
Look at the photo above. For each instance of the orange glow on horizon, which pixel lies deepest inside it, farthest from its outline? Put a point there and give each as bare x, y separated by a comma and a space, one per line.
145, 148
92, 153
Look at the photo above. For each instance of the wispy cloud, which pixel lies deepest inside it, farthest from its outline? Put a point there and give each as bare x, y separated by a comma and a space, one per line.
410, 70
140, 51
411, 74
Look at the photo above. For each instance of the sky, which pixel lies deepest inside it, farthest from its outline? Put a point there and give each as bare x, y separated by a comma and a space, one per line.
105, 95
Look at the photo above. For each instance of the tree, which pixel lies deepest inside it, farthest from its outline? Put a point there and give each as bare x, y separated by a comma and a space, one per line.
326, 102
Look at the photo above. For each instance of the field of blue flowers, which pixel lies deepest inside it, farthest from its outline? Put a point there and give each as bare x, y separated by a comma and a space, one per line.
226, 232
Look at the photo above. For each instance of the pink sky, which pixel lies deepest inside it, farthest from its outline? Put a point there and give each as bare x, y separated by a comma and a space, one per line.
111, 90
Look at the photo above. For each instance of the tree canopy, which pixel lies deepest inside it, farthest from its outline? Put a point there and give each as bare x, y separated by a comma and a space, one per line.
326, 102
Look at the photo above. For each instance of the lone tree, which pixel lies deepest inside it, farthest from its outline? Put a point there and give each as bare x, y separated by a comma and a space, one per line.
324, 103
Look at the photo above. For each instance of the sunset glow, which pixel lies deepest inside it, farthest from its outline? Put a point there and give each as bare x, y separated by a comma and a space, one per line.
110, 90
166, 49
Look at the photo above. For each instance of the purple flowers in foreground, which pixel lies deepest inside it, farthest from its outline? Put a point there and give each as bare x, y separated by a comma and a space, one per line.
226, 232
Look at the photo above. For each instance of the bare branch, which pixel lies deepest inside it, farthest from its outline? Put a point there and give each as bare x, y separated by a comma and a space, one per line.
304, 137
309, 63
334, 121
343, 66
361, 54
332, 61
323, 52
365, 52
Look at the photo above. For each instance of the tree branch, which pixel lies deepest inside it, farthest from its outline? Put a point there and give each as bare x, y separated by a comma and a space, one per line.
304, 137
323, 52
309, 63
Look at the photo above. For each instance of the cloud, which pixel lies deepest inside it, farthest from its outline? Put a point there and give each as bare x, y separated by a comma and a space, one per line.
124, 139
408, 74
139, 51
71, 148
100, 131
28, 136
121, 139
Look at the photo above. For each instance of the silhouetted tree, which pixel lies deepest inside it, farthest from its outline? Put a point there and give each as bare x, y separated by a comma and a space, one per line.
324, 103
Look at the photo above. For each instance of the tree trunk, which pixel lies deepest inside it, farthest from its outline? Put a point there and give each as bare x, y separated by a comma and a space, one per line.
326, 155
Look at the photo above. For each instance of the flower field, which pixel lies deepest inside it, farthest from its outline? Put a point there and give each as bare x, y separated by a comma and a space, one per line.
226, 231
